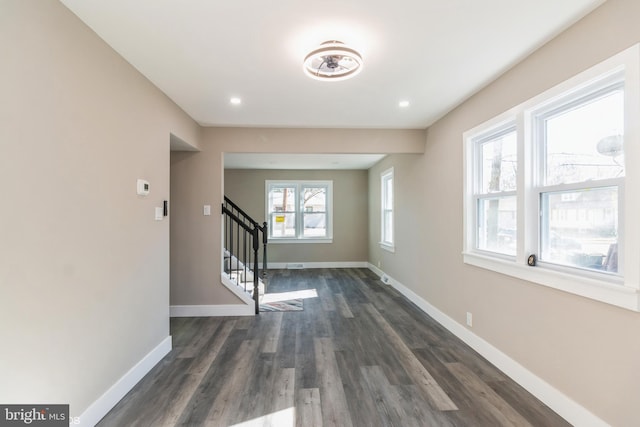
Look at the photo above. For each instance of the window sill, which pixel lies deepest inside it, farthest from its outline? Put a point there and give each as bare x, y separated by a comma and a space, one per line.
387, 247
608, 292
279, 241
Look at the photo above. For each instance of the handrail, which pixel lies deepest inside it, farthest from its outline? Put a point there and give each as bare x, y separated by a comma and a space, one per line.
243, 213
237, 219
247, 218
243, 246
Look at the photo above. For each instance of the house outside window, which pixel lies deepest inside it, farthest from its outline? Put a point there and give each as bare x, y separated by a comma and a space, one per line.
545, 195
386, 201
299, 211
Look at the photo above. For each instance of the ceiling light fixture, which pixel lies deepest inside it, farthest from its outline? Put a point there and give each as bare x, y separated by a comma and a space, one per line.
403, 104
332, 61
235, 101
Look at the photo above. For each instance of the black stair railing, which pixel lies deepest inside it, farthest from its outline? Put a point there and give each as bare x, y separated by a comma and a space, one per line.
242, 238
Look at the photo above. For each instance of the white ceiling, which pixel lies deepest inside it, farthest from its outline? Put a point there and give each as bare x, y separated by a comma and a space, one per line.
433, 53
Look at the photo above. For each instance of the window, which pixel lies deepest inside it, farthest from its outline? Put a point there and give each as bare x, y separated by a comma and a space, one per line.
579, 144
548, 179
495, 191
386, 201
299, 211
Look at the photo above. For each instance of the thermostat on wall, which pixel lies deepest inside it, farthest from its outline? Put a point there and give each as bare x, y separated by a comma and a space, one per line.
143, 187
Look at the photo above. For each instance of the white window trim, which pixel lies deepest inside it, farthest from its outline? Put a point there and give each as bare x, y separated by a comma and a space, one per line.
386, 245
619, 291
299, 214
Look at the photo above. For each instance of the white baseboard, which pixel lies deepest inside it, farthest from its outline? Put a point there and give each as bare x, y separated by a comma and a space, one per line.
562, 404
339, 264
98, 409
221, 310
376, 270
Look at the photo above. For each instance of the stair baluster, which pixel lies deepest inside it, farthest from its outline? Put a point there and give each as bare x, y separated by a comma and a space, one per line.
239, 256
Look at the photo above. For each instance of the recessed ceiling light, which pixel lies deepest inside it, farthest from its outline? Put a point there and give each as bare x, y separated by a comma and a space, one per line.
403, 104
332, 61
235, 101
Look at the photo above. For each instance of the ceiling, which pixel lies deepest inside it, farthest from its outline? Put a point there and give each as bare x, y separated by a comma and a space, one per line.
432, 53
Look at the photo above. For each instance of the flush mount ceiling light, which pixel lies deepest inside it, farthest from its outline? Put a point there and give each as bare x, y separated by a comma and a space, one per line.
332, 61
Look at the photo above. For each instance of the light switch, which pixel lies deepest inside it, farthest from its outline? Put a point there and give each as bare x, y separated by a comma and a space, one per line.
207, 210
159, 213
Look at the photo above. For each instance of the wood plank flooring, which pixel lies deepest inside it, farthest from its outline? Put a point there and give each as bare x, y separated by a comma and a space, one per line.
359, 354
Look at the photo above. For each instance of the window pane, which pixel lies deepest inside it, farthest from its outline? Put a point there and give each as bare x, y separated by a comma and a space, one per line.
586, 142
388, 193
497, 225
388, 227
580, 228
283, 225
498, 164
315, 224
314, 199
282, 199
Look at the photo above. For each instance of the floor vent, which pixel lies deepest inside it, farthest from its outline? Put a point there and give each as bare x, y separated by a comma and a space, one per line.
295, 266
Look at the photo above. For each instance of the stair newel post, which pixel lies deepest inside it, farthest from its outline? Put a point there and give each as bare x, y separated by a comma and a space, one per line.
265, 238
256, 286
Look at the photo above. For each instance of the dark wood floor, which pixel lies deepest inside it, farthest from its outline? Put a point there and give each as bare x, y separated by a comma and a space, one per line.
359, 354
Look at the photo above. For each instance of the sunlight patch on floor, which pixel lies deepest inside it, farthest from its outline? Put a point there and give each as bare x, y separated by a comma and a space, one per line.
284, 418
286, 296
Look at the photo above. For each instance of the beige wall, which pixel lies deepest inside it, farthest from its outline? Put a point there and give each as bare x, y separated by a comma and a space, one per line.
409, 217
586, 349
84, 270
350, 212
333, 141
197, 179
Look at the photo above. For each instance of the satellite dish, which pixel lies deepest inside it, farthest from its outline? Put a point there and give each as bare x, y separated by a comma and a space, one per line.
612, 145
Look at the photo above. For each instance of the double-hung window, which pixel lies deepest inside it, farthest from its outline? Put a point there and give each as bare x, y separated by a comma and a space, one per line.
579, 180
495, 190
549, 186
299, 211
386, 219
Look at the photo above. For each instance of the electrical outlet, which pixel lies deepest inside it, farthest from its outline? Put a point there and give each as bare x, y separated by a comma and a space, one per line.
469, 319
379, 263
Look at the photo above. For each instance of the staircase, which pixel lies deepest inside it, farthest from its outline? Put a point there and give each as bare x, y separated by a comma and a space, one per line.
242, 239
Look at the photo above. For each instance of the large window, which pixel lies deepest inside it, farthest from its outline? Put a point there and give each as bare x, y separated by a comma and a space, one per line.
545, 193
299, 210
579, 144
386, 220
